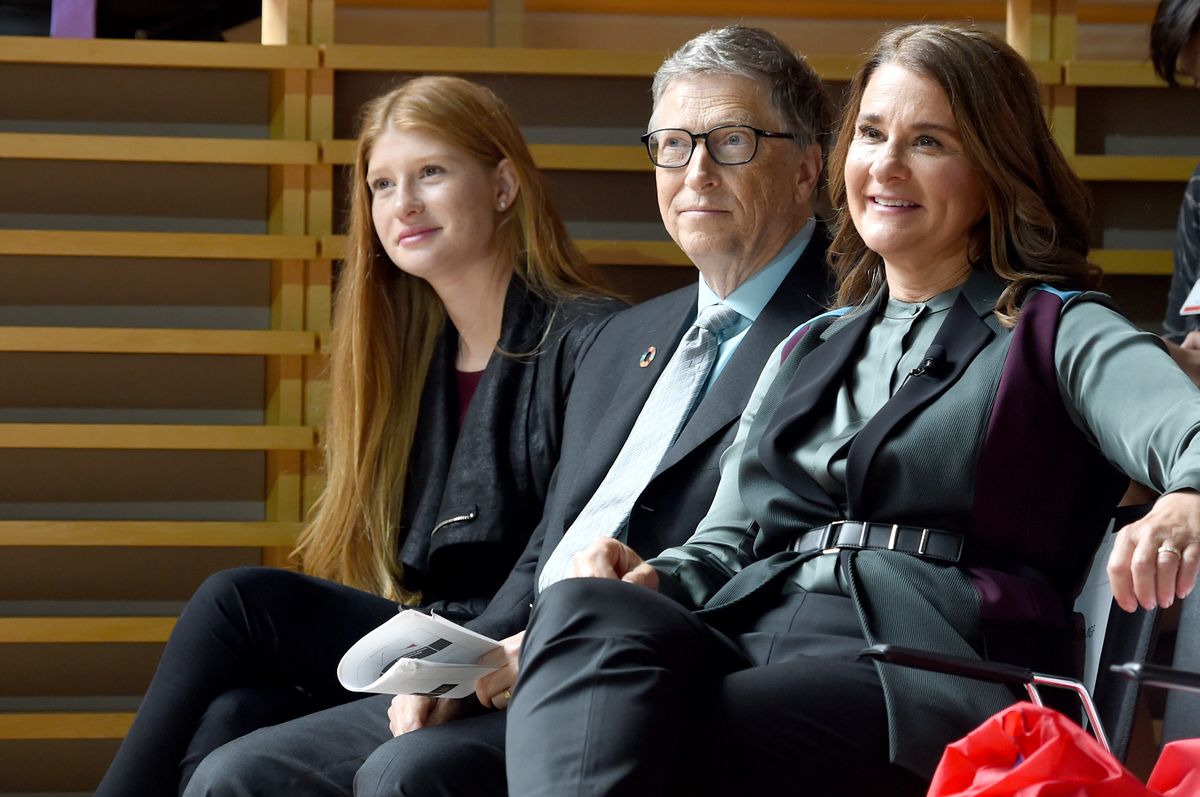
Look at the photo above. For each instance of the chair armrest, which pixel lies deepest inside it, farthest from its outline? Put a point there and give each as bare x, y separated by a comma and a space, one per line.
1158, 675
993, 672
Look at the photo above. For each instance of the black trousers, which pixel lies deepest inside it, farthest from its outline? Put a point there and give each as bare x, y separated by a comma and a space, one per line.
624, 692
253, 647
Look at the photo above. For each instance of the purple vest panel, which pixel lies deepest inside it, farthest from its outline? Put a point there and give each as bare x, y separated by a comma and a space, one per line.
1043, 492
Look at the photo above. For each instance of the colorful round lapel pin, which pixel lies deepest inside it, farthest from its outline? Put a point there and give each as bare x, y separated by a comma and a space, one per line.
647, 356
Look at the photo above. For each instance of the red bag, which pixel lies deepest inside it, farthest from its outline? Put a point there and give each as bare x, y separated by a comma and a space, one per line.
1177, 773
1030, 751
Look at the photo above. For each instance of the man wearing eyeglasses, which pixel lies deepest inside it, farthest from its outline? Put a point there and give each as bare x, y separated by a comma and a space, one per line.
736, 134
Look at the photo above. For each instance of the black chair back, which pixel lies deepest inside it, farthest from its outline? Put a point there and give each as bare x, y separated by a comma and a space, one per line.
1182, 717
1127, 638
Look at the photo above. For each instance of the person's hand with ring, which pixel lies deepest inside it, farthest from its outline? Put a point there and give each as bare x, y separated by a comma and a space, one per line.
495, 688
1155, 560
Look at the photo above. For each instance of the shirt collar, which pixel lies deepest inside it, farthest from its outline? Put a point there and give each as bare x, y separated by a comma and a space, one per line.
749, 298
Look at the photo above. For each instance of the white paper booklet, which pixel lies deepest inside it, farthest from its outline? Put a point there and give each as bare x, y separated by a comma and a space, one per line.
416, 654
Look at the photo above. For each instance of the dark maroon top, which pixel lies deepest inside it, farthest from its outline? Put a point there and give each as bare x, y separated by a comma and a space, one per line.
467, 382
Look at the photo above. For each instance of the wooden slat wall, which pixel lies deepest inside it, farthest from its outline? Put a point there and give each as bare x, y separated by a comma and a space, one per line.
303, 153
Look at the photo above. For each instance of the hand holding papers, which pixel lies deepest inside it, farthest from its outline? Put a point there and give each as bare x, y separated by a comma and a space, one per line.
416, 654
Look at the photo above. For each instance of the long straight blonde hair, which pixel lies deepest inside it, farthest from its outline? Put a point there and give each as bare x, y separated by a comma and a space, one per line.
386, 322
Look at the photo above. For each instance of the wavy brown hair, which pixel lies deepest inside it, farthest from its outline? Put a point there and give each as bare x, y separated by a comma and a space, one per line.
386, 322
1035, 229
1175, 21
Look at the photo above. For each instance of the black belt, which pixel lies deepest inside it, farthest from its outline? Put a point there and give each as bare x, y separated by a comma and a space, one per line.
940, 546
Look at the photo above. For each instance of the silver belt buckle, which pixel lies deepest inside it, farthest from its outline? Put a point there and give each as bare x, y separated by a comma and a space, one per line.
831, 536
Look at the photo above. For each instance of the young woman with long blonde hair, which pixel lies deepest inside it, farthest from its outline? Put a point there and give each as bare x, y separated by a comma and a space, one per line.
459, 315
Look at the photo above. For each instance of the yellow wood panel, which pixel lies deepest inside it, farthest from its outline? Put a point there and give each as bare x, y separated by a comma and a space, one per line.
506, 23
1063, 117
615, 253
1064, 43
321, 20
147, 533
154, 53
486, 60
86, 243
513, 61
634, 253
1029, 28
1106, 13
156, 341
1116, 13
1110, 73
155, 149
65, 725
1150, 168
1133, 261
1047, 72
802, 9
57, 630
155, 436
284, 22
568, 157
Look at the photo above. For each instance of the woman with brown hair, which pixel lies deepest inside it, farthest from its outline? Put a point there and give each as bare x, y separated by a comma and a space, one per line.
460, 312
931, 465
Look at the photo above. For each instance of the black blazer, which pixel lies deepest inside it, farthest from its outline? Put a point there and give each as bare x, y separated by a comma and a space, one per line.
609, 391
474, 494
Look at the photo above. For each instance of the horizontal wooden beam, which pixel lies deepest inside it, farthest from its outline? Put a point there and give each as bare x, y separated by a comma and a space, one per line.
1135, 168
633, 253
1134, 261
560, 157
147, 533
1127, 14
65, 724
84, 630
87, 243
156, 149
1110, 73
156, 436
787, 9
156, 53
105, 340
611, 253
1048, 73
517, 61
488, 60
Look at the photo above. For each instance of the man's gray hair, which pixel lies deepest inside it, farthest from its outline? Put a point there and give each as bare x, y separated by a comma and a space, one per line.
795, 88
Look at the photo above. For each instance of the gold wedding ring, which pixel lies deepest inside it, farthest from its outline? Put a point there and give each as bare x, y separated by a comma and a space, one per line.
507, 695
1170, 549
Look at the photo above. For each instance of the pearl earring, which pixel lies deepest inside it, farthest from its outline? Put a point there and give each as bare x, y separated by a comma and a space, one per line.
503, 204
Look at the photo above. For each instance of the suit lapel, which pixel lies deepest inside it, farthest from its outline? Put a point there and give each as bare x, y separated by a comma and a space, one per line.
813, 384
793, 303
963, 335
635, 383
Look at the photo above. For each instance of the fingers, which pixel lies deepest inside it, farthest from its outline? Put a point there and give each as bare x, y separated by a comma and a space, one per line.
644, 576
495, 688
408, 713
1155, 560
1189, 568
1192, 341
604, 558
501, 700
1120, 573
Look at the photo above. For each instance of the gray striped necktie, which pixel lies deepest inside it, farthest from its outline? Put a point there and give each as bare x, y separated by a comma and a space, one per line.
658, 424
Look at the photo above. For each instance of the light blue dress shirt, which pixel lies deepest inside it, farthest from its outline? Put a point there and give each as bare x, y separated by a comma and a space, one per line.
749, 298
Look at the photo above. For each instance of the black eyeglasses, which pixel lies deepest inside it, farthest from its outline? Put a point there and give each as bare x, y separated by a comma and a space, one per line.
729, 145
